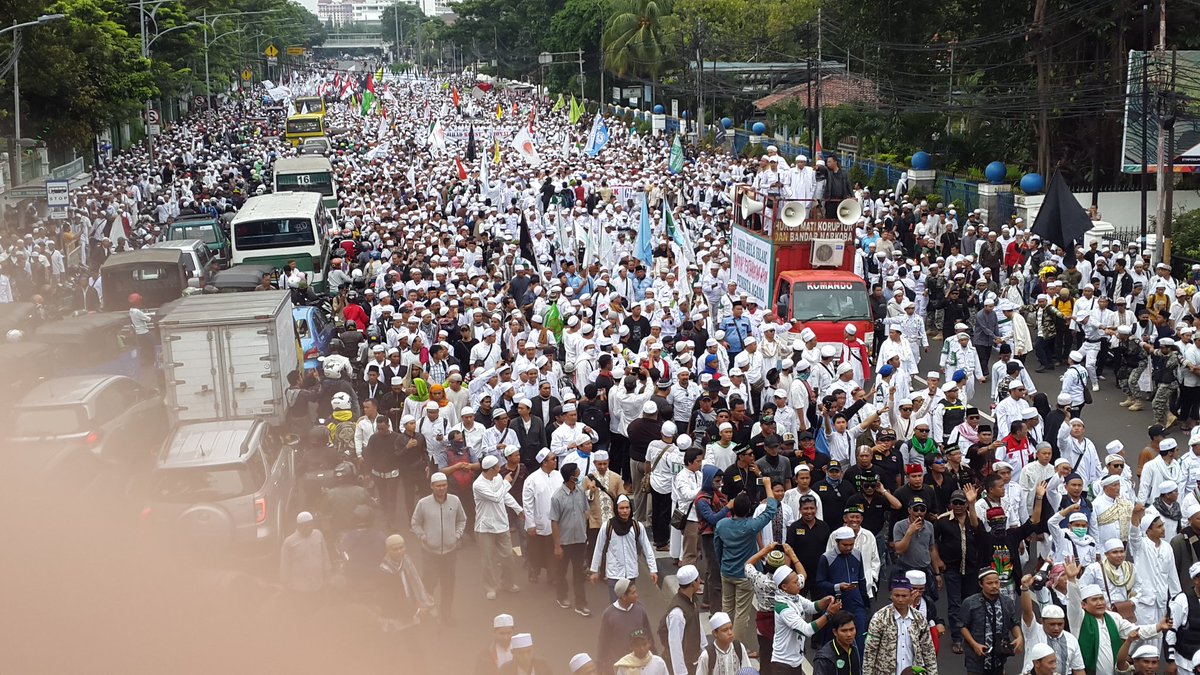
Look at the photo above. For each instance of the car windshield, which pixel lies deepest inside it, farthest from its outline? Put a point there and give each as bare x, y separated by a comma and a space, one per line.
207, 484
205, 233
51, 421
830, 301
274, 232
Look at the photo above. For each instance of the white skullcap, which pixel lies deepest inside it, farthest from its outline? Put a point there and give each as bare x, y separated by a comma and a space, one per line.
489, 462
1167, 487
599, 455
1090, 591
1109, 459
845, 368
1064, 399
521, 641
1146, 652
781, 574
1113, 544
719, 619
843, 533
1168, 444
503, 621
687, 574
851, 329
1109, 480
1114, 447
915, 577
304, 517
578, 661
1053, 612
1078, 517
1190, 508
439, 477
542, 455
1040, 651
649, 408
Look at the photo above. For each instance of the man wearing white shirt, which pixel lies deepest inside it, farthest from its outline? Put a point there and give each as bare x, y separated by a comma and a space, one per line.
1087, 604
1012, 408
1050, 630
493, 498
540, 486
1163, 468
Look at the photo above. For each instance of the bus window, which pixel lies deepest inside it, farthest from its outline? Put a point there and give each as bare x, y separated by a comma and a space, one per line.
274, 233
299, 125
319, 182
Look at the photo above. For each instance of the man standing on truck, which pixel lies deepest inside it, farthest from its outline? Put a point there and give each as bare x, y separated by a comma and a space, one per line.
837, 186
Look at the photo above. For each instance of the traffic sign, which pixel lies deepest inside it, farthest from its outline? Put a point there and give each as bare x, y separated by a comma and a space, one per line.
246, 75
295, 51
271, 51
153, 128
58, 198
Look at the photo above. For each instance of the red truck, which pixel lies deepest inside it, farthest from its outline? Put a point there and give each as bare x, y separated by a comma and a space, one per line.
802, 268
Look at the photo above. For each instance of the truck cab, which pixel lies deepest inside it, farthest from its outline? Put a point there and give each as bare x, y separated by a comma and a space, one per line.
786, 257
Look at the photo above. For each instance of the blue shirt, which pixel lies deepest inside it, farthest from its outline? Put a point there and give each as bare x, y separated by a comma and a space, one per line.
736, 540
639, 288
736, 331
834, 568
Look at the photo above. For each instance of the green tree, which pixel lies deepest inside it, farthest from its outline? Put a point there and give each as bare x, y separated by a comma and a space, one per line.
640, 39
80, 74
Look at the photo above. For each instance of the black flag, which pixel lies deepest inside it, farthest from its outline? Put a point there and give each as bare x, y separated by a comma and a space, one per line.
1061, 220
471, 144
527, 242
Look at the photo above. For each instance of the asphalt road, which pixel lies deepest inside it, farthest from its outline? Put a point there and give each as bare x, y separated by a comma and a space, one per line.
560, 633
76, 560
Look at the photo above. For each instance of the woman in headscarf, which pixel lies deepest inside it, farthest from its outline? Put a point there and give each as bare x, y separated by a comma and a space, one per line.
437, 394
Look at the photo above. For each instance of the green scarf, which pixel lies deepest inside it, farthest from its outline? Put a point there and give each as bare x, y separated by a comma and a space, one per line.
1089, 640
926, 449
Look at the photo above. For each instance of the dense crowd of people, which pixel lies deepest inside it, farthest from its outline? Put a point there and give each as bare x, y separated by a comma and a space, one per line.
516, 375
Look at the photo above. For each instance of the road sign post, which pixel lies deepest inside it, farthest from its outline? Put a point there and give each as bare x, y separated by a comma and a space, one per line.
58, 198
153, 122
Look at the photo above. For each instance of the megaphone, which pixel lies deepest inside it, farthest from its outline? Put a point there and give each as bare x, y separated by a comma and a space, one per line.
793, 213
849, 211
750, 206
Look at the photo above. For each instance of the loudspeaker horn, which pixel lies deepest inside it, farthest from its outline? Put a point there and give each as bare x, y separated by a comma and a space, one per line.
793, 213
849, 211
750, 207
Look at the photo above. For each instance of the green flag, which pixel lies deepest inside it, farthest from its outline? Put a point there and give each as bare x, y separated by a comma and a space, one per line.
553, 321
576, 111
558, 105
676, 164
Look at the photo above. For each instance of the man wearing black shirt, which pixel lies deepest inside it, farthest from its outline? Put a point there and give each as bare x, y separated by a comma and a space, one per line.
766, 429
835, 492
914, 486
889, 464
639, 325
774, 465
641, 432
808, 535
956, 536
743, 476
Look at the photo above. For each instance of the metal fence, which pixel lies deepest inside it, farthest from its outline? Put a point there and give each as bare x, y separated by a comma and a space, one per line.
963, 194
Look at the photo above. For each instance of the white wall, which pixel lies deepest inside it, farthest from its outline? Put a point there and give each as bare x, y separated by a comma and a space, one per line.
1124, 210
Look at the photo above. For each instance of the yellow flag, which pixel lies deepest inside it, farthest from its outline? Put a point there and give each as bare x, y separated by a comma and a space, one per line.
499, 111
496, 153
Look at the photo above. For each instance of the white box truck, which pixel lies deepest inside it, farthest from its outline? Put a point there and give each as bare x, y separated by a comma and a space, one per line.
226, 356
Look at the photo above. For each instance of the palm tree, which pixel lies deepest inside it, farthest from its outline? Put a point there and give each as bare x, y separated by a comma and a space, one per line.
639, 39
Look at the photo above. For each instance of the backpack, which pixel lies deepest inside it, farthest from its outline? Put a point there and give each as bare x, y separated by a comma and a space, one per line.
711, 650
637, 544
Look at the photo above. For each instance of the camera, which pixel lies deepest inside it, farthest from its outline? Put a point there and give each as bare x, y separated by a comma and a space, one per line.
1041, 576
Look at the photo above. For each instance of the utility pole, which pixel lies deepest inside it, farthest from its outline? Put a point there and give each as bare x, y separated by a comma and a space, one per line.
1145, 114
820, 71
396, 33
1163, 82
699, 84
603, 95
1043, 85
146, 55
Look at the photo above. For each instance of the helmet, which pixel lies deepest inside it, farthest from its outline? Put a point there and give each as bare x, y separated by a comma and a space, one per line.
340, 401
333, 371
135, 299
15, 335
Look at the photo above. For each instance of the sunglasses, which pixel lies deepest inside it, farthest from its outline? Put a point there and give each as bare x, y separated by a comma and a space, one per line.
922, 431
1117, 466
906, 409
958, 502
918, 509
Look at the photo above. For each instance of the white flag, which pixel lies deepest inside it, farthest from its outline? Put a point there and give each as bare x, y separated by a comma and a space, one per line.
522, 142
437, 137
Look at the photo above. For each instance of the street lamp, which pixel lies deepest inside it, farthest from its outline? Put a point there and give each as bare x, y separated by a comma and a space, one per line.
43, 19
210, 22
544, 59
